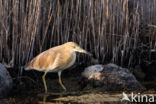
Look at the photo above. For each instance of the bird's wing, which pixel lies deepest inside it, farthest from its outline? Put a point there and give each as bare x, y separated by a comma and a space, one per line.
43, 60
57, 62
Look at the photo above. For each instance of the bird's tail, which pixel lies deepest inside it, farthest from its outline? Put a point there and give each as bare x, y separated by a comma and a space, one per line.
26, 67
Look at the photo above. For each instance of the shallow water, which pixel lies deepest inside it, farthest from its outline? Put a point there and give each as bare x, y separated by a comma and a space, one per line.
79, 97
68, 98
74, 95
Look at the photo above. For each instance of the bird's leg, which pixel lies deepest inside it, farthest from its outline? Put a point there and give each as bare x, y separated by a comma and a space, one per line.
44, 82
60, 81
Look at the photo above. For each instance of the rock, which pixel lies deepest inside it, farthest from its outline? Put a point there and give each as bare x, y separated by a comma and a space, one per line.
5, 81
92, 70
111, 77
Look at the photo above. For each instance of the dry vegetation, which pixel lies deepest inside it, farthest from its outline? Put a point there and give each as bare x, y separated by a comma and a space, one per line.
117, 31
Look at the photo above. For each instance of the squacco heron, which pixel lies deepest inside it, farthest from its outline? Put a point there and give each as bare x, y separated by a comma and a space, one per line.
55, 59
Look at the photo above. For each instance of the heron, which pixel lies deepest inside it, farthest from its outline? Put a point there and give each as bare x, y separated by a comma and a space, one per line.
55, 59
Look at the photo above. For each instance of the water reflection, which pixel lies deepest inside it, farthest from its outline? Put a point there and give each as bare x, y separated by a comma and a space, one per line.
45, 99
49, 97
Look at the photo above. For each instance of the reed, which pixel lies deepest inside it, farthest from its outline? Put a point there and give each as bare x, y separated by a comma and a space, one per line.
114, 31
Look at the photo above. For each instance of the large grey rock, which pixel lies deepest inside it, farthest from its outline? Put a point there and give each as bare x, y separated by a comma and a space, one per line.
5, 81
111, 77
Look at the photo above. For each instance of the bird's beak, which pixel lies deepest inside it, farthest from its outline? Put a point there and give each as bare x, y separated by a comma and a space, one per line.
83, 51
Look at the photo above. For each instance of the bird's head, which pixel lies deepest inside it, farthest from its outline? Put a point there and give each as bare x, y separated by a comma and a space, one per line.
74, 47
